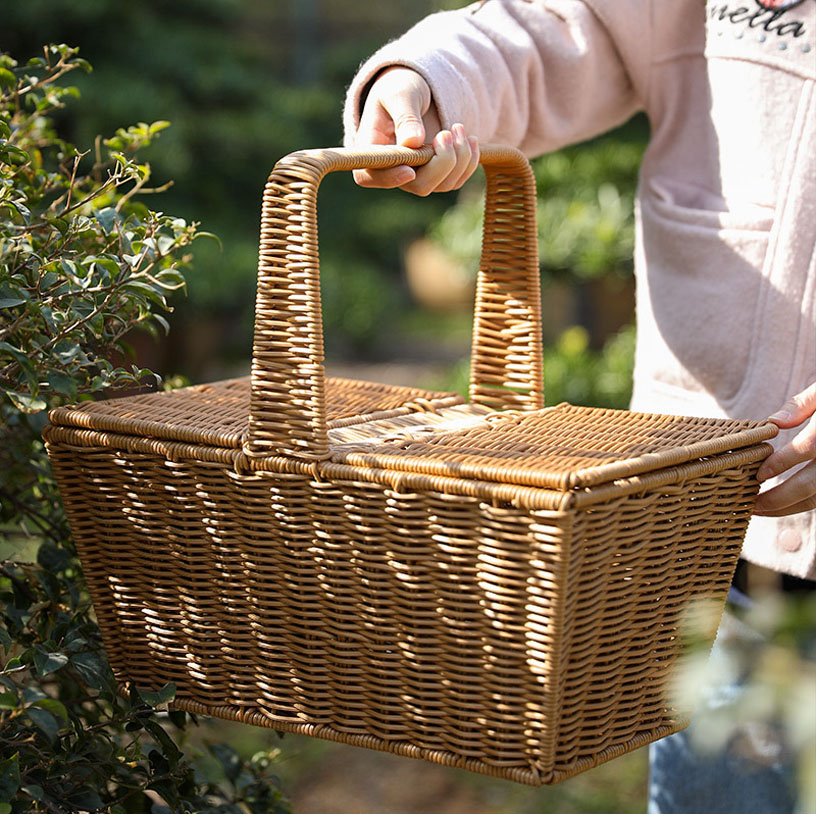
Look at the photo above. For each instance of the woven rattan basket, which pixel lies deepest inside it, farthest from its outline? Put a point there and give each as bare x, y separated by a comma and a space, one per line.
486, 584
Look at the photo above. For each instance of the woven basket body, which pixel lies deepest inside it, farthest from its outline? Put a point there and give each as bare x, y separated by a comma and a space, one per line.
493, 585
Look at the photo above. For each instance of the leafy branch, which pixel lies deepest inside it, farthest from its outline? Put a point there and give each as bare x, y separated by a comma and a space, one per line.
82, 264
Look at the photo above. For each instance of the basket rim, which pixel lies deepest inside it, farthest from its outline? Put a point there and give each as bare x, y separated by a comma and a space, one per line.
562, 448
532, 498
143, 415
448, 454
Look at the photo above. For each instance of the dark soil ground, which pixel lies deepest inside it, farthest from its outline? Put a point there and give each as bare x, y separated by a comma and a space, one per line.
339, 779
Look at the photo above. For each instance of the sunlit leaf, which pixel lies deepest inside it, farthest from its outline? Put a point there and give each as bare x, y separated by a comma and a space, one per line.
25, 402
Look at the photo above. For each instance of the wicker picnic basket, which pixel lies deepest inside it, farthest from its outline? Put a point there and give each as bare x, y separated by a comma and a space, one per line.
487, 584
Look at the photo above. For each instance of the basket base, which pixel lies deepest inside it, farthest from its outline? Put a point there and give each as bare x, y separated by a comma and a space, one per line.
525, 776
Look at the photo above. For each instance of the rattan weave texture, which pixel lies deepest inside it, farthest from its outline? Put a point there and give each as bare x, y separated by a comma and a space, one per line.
217, 414
492, 585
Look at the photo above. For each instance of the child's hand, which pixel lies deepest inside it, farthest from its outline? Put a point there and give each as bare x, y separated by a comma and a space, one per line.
399, 110
798, 492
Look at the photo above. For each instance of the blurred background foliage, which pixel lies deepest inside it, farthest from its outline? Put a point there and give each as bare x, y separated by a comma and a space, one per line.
244, 82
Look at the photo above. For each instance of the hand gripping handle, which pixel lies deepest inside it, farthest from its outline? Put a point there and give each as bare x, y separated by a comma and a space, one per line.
288, 392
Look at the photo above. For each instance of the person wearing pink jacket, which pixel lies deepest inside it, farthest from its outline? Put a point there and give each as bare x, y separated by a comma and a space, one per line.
725, 258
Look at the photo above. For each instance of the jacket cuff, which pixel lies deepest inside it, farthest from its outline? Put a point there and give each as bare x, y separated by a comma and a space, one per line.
445, 82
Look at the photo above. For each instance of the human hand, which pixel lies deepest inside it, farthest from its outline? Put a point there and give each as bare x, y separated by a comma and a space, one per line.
399, 110
798, 492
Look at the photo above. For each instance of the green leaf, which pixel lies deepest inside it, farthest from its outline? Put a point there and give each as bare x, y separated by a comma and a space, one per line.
51, 586
86, 799
167, 693
33, 791
8, 700
18, 354
26, 403
164, 787
147, 290
107, 218
33, 694
228, 758
74, 642
10, 302
160, 699
5, 639
54, 707
163, 322
66, 350
25, 364
7, 78
50, 278
63, 383
93, 670
13, 664
23, 156
44, 721
157, 127
169, 749
171, 277
53, 558
211, 236
154, 699
69, 268
47, 663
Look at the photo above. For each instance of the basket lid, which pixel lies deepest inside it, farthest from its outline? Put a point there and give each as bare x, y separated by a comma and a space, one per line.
562, 447
217, 414
432, 433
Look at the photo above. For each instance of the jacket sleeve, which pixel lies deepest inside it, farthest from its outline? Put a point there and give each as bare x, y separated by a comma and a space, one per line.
534, 75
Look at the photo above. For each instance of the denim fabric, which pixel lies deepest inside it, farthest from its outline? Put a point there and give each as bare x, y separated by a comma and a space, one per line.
754, 773
685, 782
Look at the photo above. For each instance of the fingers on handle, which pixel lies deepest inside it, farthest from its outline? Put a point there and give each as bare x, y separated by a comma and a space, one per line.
796, 409
385, 179
466, 150
456, 158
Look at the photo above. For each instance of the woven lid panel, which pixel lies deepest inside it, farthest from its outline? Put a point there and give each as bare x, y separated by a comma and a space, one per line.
563, 447
217, 414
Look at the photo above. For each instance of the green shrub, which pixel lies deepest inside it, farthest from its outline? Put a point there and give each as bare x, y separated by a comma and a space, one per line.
83, 263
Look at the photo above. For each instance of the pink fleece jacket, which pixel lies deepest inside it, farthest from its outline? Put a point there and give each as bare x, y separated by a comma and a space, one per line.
726, 211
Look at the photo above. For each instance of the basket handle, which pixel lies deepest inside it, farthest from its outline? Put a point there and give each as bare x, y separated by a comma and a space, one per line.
287, 404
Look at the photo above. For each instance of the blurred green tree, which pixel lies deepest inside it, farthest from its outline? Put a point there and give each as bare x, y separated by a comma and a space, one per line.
247, 81
229, 75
